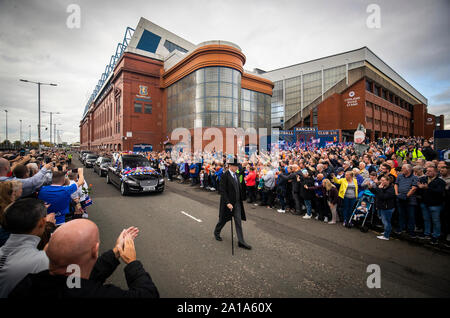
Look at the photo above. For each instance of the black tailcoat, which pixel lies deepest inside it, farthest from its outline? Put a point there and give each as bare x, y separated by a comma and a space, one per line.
228, 195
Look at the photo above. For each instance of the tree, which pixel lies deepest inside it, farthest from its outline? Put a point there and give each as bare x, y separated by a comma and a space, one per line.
17, 143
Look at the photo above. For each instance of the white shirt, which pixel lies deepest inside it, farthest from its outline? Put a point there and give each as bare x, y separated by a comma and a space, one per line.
77, 194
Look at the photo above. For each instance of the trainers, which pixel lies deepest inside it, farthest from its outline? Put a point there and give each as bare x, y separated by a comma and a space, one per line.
281, 211
325, 220
434, 241
331, 222
212, 189
85, 216
316, 218
306, 216
381, 237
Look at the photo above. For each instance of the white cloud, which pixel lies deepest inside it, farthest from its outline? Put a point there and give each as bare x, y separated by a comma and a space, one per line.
36, 44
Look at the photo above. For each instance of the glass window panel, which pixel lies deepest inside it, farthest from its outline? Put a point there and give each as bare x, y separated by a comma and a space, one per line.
200, 76
236, 77
236, 90
226, 74
211, 74
226, 105
148, 109
246, 105
200, 90
214, 119
137, 108
227, 119
200, 105
211, 104
212, 89
225, 89
245, 94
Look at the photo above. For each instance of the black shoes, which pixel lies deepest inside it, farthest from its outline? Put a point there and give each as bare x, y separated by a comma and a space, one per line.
218, 238
244, 245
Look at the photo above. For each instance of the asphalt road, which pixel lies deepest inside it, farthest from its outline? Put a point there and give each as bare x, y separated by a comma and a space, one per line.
291, 257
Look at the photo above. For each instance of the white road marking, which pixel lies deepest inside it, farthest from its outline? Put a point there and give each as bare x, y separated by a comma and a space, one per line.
198, 220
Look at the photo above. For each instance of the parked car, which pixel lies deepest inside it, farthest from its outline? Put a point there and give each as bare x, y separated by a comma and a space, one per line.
90, 160
83, 152
133, 174
83, 157
101, 166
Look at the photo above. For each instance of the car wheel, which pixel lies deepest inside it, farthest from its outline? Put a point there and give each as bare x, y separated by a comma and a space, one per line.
108, 181
123, 189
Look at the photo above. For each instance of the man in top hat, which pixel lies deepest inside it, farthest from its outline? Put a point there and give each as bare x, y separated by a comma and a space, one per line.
232, 195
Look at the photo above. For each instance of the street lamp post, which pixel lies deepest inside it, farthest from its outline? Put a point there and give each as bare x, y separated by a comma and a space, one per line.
6, 112
20, 120
59, 124
29, 139
51, 115
39, 105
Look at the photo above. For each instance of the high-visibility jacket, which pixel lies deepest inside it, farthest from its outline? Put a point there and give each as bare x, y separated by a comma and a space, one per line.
417, 154
401, 154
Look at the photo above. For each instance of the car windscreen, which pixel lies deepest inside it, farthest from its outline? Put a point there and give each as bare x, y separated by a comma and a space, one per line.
91, 157
106, 160
134, 162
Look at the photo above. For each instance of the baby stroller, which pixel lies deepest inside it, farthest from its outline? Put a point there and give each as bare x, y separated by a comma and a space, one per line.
363, 210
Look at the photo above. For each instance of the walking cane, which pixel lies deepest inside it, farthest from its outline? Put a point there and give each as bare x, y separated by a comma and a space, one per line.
232, 243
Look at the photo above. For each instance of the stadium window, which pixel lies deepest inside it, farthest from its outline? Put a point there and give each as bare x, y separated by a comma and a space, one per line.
147, 109
137, 108
369, 86
378, 91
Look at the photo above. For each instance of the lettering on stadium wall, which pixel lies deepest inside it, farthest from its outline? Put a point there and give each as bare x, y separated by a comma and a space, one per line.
352, 100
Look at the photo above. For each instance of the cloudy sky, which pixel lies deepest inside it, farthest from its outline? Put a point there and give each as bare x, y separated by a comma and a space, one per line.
36, 44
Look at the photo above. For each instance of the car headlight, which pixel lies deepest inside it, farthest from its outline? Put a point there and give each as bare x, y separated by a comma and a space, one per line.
132, 182
161, 180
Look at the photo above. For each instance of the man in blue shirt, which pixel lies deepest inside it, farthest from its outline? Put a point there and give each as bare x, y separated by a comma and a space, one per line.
58, 195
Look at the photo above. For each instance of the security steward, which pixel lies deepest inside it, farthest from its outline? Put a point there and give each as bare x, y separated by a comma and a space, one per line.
232, 195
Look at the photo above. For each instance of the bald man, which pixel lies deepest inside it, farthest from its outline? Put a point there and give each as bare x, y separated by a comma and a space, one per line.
77, 242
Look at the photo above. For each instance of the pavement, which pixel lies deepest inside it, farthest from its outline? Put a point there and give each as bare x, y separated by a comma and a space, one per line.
291, 257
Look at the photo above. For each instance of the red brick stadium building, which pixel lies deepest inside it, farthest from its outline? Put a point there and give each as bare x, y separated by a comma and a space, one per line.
157, 81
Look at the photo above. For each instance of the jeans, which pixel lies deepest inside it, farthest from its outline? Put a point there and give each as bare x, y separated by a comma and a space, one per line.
431, 214
282, 201
348, 204
308, 207
406, 212
386, 216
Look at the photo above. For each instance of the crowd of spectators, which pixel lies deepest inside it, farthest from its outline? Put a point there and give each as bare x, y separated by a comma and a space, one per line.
44, 230
410, 185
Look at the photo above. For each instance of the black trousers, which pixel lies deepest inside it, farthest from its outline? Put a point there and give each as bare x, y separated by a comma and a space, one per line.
268, 196
322, 208
251, 194
237, 222
298, 203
